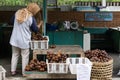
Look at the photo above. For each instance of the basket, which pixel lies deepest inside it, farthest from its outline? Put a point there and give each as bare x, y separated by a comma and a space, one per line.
39, 44
73, 62
102, 71
57, 68
2, 73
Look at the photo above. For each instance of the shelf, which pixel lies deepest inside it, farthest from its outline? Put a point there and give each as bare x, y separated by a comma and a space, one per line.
45, 75
67, 49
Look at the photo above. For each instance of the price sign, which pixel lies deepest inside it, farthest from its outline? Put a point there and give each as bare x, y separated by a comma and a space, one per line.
98, 16
83, 72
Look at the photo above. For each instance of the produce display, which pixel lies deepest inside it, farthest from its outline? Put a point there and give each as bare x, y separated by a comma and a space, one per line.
38, 36
57, 62
59, 57
36, 65
98, 55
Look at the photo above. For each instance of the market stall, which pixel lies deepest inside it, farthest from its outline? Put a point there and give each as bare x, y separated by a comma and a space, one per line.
79, 33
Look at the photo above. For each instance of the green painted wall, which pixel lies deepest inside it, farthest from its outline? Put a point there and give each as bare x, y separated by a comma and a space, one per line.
66, 37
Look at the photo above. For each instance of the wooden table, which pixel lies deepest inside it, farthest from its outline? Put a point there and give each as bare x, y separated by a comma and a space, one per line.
67, 49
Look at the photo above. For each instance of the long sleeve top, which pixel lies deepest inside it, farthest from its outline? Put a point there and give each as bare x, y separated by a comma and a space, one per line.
21, 34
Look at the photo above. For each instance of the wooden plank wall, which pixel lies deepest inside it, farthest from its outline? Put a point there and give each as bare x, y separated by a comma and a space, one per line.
53, 16
79, 16
5, 16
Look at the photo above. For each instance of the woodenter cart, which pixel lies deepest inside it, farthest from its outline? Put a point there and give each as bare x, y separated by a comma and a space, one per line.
68, 49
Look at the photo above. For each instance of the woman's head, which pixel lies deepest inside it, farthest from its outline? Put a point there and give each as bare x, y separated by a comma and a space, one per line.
33, 8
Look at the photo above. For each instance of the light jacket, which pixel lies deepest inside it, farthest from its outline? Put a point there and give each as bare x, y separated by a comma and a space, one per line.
21, 34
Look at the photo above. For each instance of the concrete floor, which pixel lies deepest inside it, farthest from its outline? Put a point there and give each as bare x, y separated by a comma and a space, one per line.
5, 62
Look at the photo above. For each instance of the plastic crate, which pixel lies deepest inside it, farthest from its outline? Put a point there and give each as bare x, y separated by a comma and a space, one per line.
40, 44
73, 62
2, 73
57, 68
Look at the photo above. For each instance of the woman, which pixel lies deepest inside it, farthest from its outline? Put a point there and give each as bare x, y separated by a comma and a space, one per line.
24, 24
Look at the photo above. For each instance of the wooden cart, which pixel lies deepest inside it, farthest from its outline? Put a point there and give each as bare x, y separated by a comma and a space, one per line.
68, 49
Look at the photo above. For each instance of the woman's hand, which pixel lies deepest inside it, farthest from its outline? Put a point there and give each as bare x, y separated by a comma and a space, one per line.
40, 24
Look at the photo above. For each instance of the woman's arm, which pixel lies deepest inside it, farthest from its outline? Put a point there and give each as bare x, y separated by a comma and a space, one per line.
34, 26
12, 19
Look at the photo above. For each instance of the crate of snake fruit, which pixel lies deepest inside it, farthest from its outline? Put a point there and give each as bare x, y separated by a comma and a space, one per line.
53, 67
40, 44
